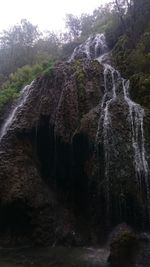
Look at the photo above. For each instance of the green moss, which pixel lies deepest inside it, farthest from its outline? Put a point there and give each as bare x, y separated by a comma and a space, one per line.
81, 83
134, 64
47, 67
140, 84
80, 78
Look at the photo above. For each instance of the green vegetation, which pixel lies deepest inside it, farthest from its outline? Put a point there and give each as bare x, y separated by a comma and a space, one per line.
22, 45
131, 52
80, 79
11, 88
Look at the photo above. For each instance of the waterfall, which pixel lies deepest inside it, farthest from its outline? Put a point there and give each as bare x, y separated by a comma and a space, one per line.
115, 87
86, 49
136, 116
12, 116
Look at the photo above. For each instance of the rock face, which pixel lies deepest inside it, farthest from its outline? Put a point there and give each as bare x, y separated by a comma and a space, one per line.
124, 247
52, 171
128, 248
44, 155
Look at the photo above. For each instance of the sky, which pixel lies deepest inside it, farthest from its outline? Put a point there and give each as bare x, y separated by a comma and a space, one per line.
47, 14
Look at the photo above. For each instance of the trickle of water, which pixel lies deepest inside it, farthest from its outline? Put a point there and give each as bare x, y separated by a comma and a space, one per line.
23, 98
136, 118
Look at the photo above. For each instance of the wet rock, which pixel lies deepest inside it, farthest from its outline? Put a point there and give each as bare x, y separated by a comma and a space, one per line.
123, 247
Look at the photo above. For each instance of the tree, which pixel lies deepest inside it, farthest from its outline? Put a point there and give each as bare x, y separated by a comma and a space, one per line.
87, 22
23, 34
121, 7
48, 47
74, 25
17, 46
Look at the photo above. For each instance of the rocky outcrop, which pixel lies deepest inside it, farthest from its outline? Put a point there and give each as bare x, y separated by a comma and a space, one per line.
42, 156
128, 248
124, 247
52, 171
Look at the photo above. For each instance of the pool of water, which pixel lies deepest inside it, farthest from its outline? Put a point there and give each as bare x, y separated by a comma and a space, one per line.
54, 257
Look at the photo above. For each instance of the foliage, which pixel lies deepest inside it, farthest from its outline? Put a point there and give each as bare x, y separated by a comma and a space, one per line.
24, 34
80, 80
74, 25
22, 45
131, 50
10, 90
48, 47
17, 47
101, 19
47, 67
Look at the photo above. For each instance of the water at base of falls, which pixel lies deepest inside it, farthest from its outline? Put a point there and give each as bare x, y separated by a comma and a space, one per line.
116, 87
54, 256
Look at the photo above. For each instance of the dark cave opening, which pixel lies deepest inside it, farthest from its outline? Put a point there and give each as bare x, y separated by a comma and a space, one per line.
62, 165
80, 183
45, 146
15, 224
64, 169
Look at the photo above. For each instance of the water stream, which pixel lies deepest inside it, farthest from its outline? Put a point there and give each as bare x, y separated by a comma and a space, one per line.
54, 256
11, 117
114, 87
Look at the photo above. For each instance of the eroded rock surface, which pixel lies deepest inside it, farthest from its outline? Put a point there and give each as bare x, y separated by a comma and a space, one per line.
43, 153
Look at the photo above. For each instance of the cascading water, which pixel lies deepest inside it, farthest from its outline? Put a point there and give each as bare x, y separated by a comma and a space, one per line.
23, 98
136, 116
116, 87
